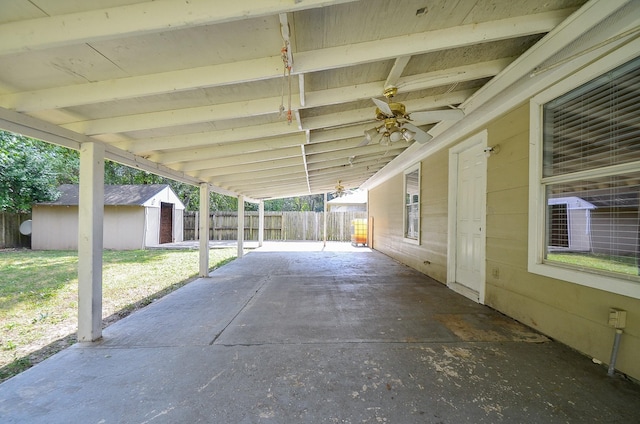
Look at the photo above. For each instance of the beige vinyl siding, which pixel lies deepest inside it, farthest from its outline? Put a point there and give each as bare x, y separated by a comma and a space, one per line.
573, 314
386, 209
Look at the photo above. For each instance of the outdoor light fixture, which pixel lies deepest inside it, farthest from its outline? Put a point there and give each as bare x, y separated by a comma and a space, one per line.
491, 150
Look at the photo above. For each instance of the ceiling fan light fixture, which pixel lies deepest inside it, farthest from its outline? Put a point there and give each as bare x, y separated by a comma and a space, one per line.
370, 133
386, 139
395, 136
408, 135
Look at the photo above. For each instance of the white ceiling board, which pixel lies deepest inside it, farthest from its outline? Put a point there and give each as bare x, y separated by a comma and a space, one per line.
17, 10
199, 96
194, 47
485, 10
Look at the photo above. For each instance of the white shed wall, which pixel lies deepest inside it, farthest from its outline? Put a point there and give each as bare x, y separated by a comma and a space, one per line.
123, 227
54, 228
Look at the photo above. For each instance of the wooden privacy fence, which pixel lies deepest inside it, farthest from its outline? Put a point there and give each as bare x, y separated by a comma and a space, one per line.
10, 236
278, 226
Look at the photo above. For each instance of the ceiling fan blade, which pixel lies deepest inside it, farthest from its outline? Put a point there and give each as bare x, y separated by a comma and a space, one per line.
383, 106
421, 136
432, 116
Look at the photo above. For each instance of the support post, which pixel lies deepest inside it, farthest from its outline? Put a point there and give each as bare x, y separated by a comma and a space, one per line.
90, 241
324, 224
240, 226
260, 223
203, 224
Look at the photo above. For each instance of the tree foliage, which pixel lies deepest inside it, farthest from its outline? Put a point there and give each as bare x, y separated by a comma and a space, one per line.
31, 171
28, 172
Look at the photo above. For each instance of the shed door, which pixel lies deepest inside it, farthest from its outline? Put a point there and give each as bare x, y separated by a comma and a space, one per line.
166, 223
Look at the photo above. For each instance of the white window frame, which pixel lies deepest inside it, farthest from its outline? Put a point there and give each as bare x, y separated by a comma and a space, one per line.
405, 218
537, 206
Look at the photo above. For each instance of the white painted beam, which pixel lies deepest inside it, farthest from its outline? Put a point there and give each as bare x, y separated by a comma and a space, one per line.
137, 19
271, 67
194, 165
296, 186
429, 41
364, 150
297, 170
319, 167
301, 90
304, 161
213, 171
228, 149
203, 229
173, 117
367, 114
150, 145
90, 241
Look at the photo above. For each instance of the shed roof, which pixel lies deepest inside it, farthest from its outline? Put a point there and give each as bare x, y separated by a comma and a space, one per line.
356, 198
114, 195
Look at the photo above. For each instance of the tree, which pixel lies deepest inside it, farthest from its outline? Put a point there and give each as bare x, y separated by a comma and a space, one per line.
31, 171
28, 172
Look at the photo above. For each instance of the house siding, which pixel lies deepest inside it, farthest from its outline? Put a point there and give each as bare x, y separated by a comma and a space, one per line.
570, 313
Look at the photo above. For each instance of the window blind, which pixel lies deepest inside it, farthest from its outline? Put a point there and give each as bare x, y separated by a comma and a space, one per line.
596, 125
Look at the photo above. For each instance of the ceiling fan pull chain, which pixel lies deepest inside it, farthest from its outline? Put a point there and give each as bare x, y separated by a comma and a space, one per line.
283, 55
289, 115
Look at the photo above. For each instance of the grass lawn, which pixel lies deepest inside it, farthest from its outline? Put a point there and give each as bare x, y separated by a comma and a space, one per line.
39, 295
619, 264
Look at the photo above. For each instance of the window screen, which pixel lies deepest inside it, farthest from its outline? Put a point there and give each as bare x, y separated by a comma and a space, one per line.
591, 173
412, 204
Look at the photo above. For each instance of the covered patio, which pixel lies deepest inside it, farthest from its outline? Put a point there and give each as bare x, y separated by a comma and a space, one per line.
301, 332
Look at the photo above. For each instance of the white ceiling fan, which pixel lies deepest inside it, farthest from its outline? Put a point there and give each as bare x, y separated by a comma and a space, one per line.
396, 125
340, 190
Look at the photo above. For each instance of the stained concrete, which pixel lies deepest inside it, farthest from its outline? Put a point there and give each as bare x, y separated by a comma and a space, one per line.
313, 336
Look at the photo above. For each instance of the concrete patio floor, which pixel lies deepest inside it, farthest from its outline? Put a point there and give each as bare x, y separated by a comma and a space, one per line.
313, 335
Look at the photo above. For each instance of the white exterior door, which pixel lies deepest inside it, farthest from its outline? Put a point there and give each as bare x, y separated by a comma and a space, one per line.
468, 198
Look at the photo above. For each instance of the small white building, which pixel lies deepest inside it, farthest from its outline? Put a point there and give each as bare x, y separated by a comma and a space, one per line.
571, 224
135, 217
353, 202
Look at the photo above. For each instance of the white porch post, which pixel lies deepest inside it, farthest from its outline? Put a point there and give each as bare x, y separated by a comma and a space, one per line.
324, 229
90, 237
203, 229
240, 225
260, 223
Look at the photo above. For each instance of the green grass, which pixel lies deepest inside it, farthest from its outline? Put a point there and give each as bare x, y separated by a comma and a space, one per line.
618, 264
39, 295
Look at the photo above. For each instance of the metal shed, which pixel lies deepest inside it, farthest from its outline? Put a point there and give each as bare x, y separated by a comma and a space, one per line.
135, 217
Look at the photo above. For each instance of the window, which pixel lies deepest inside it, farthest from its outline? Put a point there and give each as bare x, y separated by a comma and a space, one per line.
412, 204
586, 164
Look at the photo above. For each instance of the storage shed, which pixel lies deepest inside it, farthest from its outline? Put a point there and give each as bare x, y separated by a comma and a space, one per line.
135, 217
570, 220
353, 202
